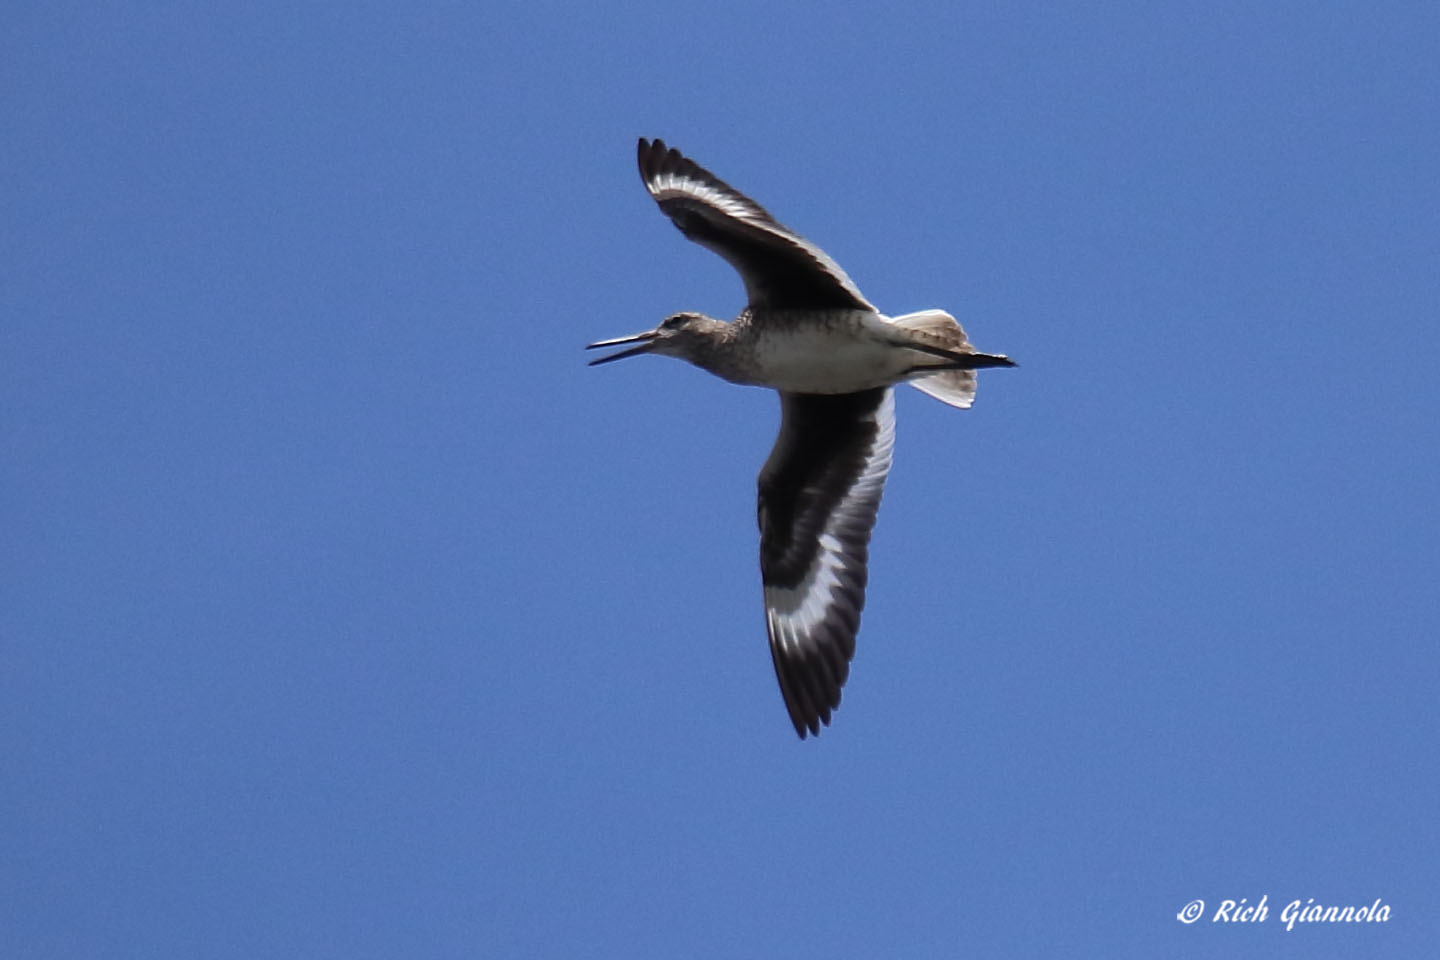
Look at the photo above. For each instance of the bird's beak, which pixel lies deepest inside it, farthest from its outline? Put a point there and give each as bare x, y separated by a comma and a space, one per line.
645, 340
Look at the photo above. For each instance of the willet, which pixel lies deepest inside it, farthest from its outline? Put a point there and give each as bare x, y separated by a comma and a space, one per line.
810, 334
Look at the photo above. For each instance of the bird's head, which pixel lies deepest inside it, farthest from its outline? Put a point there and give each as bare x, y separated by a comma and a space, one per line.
679, 335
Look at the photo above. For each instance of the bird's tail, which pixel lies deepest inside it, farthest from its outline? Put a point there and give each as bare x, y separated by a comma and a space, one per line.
940, 335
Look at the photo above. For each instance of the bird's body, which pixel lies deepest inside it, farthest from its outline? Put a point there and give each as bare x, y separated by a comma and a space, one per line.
810, 334
807, 351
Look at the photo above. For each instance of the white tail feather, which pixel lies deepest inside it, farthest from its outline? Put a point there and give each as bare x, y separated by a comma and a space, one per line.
955, 387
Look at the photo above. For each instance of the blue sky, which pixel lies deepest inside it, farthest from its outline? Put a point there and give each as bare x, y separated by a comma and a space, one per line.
346, 613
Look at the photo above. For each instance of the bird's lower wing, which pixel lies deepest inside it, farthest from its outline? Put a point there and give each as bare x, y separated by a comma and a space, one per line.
819, 494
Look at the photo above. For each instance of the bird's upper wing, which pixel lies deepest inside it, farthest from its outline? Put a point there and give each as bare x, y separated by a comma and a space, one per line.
780, 268
819, 493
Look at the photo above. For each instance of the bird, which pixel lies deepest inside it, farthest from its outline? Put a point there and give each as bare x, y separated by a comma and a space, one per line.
808, 333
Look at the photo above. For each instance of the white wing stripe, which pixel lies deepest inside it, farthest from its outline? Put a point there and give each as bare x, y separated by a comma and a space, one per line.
687, 186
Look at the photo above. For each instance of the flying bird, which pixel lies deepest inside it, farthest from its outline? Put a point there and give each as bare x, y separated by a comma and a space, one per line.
810, 334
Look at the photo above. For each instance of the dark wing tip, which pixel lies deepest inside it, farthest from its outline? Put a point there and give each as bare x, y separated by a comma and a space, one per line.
806, 705
643, 151
654, 158
812, 681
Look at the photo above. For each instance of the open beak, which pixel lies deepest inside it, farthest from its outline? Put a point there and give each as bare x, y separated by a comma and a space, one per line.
645, 340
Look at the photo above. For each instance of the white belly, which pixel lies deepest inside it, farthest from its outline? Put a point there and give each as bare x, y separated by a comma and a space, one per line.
840, 357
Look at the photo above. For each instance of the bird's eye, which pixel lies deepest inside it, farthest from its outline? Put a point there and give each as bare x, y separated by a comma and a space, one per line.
675, 322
